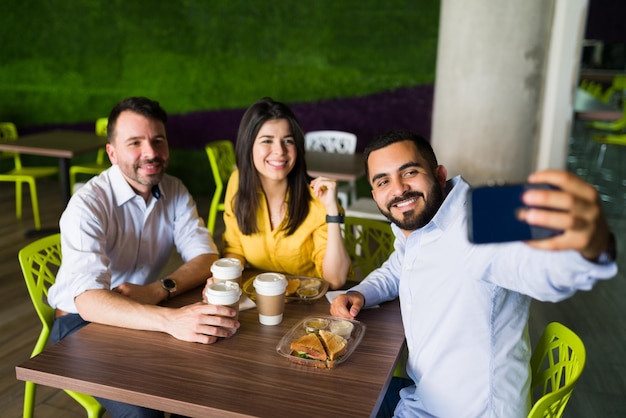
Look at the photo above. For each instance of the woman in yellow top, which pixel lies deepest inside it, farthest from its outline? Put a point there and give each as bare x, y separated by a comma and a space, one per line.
275, 217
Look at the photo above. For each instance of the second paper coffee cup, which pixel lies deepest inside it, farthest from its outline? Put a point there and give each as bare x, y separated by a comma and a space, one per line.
270, 297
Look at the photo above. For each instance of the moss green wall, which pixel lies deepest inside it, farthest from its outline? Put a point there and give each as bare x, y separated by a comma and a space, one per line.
68, 61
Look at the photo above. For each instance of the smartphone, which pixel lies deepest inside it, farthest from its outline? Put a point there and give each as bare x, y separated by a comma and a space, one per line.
492, 215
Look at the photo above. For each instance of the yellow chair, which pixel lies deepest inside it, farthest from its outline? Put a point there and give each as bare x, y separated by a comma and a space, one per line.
40, 261
222, 159
101, 163
20, 174
556, 364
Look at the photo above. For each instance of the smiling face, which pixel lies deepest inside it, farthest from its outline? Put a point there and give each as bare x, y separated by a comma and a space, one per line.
274, 151
406, 189
139, 147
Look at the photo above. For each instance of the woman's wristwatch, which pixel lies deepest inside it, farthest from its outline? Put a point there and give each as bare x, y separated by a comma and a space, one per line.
334, 219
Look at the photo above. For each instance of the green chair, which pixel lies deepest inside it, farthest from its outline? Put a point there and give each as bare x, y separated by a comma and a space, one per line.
556, 364
40, 261
369, 243
101, 163
222, 159
21, 174
617, 87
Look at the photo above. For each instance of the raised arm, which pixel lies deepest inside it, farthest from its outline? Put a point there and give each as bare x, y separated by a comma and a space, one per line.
578, 213
336, 260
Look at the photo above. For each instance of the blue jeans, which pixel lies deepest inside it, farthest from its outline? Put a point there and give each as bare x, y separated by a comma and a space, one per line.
68, 324
392, 396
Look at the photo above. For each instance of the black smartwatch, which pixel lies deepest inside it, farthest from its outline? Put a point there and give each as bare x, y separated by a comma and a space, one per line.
334, 219
169, 285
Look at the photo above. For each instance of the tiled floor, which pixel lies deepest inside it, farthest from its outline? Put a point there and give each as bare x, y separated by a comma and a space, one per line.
597, 316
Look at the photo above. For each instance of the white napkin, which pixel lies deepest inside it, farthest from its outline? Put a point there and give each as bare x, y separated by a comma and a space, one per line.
332, 294
245, 303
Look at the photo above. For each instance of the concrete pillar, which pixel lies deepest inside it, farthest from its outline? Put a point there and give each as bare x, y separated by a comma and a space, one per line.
489, 87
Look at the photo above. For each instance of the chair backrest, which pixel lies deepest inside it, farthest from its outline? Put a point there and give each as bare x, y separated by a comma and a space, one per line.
339, 142
40, 261
8, 132
556, 364
101, 130
369, 243
222, 159
101, 126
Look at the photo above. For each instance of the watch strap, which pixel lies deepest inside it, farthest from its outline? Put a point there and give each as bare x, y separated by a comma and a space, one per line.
335, 219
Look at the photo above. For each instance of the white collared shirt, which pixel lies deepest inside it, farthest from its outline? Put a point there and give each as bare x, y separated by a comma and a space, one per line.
110, 236
465, 310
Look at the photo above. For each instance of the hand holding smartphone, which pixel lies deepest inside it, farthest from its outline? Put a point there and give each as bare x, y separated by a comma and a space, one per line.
493, 215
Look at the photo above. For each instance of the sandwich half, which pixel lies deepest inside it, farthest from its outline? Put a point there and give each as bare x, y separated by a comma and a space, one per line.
336, 346
309, 345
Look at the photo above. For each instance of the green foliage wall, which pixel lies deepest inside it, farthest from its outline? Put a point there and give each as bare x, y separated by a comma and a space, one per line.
68, 61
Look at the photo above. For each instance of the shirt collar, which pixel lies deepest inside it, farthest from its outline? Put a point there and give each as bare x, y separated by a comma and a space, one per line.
122, 190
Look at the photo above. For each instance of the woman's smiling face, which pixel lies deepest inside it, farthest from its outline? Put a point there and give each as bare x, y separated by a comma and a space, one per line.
274, 150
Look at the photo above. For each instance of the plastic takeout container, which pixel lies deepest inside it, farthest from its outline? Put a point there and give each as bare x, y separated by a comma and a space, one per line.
321, 322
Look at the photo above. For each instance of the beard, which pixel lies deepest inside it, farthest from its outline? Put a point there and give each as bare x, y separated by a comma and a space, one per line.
148, 180
412, 220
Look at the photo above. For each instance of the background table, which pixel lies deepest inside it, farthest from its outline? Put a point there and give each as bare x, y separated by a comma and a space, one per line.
235, 377
587, 107
343, 167
61, 144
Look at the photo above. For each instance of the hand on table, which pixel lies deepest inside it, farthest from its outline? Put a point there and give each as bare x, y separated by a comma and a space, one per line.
201, 323
347, 305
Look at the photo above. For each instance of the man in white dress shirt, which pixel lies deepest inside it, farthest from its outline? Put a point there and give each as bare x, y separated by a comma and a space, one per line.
117, 234
465, 306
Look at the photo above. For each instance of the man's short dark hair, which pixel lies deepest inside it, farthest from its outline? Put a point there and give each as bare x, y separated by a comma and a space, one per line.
391, 137
142, 105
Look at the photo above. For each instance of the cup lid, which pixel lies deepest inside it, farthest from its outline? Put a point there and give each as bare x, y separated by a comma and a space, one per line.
223, 288
227, 268
270, 281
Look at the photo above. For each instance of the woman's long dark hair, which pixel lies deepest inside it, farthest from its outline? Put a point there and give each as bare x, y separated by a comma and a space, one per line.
246, 201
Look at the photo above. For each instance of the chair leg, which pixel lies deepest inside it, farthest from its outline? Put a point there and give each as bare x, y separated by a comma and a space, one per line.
18, 199
29, 399
35, 203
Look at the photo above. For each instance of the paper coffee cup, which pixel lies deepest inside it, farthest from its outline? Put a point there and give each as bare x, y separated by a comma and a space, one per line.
227, 269
270, 297
225, 293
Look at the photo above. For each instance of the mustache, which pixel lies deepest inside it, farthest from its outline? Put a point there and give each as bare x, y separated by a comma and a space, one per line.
404, 196
157, 160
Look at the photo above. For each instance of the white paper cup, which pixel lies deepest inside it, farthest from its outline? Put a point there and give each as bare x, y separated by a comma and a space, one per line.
270, 297
225, 293
227, 269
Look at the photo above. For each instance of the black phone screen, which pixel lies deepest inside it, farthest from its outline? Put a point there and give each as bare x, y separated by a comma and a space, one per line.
492, 215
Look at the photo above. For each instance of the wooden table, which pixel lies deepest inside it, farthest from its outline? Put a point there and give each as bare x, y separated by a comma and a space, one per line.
242, 376
61, 144
342, 167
